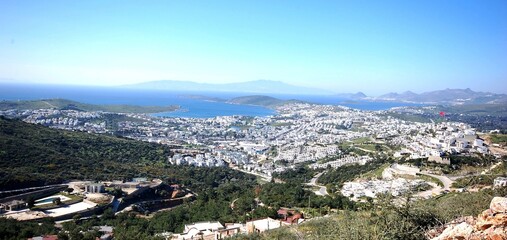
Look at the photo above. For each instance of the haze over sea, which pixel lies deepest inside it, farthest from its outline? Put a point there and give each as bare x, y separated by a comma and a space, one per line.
190, 107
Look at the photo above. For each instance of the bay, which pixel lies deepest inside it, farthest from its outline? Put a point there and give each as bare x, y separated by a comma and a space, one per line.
189, 107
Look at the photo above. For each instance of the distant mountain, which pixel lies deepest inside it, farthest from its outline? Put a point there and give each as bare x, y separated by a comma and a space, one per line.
64, 104
202, 97
258, 86
447, 96
260, 100
352, 96
397, 96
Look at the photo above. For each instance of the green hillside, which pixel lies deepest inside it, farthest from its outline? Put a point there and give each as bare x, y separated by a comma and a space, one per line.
476, 109
33, 155
384, 220
69, 104
36, 155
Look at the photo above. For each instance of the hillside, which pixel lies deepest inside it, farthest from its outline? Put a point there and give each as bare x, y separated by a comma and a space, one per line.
352, 96
476, 109
69, 104
384, 220
33, 155
447, 96
260, 100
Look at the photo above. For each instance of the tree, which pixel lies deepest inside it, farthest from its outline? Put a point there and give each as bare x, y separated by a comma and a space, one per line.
57, 201
30, 201
117, 192
108, 214
76, 217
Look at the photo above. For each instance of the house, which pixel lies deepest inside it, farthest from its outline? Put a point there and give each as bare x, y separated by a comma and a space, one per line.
439, 159
289, 216
204, 226
478, 142
13, 205
230, 229
207, 231
500, 182
200, 230
95, 188
462, 143
139, 180
263, 225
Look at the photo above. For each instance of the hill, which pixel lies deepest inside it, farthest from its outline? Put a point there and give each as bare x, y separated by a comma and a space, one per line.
260, 100
385, 220
352, 96
257, 86
448, 96
69, 104
476, 109
34, 155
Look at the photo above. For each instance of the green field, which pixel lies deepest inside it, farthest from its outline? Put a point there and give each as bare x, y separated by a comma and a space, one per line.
498, 138
363, 145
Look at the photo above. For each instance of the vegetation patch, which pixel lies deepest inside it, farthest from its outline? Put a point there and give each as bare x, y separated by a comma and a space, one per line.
385, 220
499, 138
431, 179
347, 173
474, 181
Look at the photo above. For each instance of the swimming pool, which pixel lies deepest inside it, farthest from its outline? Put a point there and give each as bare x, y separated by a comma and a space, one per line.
48, 200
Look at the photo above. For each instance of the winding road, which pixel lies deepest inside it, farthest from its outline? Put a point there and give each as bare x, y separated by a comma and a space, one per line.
446, 181
322, 189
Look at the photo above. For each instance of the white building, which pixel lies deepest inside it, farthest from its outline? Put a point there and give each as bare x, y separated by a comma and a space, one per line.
500, 182
94, 188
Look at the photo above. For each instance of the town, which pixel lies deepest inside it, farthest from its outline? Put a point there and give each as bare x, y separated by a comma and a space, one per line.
321, 137
300, 133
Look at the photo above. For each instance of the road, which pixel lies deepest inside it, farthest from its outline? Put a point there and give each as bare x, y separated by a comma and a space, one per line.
286, 132
444, 179
31, 188
264, 177
436, 190
322, 189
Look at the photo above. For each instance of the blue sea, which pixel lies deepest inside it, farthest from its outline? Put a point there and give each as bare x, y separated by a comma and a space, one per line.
190, 107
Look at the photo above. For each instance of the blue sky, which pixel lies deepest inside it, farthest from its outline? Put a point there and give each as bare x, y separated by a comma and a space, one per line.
346, 46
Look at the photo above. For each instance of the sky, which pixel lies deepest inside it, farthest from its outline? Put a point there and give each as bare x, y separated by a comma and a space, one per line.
344, 46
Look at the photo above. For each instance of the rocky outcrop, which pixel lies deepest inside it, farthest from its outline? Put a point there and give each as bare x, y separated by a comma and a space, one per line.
490, 224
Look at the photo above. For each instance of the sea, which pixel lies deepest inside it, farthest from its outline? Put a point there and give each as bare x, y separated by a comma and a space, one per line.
193, 104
